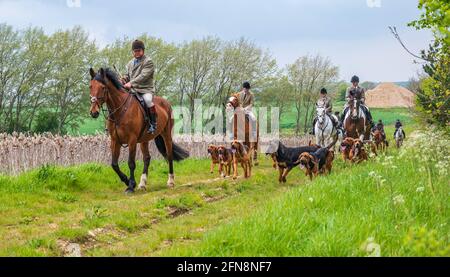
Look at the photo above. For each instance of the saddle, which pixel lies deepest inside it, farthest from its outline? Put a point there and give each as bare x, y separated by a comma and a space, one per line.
141, 101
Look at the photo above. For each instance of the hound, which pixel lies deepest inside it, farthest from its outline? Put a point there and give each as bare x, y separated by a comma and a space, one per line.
241, 155
212, 150
225, 160
286, 157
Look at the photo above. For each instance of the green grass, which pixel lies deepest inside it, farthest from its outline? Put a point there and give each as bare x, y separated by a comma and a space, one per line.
90, 126
402, 208
389, 116
344, 214
340, 215
49, 204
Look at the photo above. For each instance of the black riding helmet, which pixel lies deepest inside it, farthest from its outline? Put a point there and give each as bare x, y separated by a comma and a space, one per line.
323, 91
138, 44
355, 79
246, 85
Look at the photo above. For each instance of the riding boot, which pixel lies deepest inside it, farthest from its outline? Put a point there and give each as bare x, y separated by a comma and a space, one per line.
313, 131
369, 118
152, 118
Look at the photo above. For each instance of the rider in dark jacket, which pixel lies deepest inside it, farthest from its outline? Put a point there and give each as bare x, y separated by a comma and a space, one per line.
380, 127
398, 124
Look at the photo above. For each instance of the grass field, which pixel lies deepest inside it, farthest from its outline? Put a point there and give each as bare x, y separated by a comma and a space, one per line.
393, 205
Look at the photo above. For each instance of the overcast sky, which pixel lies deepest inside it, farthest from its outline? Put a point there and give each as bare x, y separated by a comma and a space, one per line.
353, 33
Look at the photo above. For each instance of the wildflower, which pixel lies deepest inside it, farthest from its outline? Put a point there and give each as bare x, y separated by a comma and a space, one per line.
372, 248
311, 199
398, 200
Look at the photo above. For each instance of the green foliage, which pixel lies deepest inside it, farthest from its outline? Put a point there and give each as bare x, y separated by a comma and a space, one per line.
436, 17
46, 121
433, 95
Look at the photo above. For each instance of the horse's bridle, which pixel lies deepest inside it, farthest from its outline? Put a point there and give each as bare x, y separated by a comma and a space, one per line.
110, 117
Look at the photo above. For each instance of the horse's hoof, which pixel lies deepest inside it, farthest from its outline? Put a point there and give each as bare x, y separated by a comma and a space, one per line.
142, 187
170, 185
129, 191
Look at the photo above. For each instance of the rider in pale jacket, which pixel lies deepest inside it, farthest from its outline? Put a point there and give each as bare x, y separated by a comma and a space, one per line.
246, 100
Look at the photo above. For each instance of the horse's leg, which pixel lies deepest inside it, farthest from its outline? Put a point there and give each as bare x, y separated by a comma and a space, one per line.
146, 158
167, 136
132, 145
115, 151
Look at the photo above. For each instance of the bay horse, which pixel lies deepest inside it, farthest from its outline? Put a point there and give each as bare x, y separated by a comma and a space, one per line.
356, 125
126, 125
233, 104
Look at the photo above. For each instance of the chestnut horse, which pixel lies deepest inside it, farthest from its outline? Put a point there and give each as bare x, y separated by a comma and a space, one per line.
380, 142
356, 124
127, 125
234, 104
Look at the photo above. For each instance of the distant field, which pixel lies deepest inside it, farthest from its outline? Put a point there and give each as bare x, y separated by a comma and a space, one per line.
287, 122
90, 127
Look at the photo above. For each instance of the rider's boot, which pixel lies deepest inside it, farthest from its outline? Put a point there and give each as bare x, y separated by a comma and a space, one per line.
313, 131
152, 118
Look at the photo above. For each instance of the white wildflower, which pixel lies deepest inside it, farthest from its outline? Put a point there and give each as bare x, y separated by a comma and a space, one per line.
372, 248
399, 200
420, 189
311, 199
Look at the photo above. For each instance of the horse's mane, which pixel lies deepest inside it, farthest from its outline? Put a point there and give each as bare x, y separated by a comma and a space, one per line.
112, 76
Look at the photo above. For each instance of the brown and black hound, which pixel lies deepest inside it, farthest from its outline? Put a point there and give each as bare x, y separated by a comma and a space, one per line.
241, 155
358, 152
225, 160
212, 150
286, 158
346, 147
320, 161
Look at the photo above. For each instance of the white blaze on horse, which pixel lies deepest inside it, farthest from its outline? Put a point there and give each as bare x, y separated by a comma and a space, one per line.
324, 128
356, 124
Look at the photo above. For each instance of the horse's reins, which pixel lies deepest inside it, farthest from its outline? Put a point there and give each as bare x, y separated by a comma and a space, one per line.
110, 116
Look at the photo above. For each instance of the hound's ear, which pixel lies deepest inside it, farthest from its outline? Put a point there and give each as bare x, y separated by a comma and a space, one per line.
92, 73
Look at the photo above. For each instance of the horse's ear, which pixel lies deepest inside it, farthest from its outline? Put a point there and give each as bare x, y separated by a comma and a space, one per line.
102, 73
92, 73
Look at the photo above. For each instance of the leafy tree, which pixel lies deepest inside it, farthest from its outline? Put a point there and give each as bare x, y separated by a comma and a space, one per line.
47, 121
433, 95
436, 17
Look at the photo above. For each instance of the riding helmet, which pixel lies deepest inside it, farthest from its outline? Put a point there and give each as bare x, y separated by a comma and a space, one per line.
323, 91
138, 44
246, 85
355, 79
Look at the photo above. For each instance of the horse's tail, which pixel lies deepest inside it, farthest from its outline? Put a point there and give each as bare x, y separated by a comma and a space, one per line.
179, 153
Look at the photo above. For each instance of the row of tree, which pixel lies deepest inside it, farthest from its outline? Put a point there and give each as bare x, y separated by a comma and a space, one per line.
44, 78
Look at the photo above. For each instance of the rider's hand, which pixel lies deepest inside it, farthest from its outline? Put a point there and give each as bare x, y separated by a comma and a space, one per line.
127, 85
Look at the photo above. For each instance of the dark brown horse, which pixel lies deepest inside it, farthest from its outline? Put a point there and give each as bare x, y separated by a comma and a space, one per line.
234, 104
356, 124
126, 125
